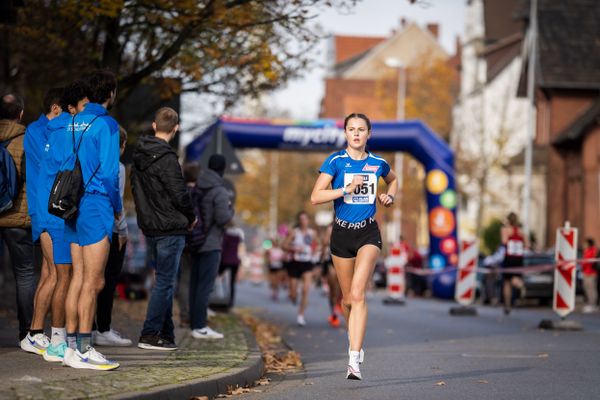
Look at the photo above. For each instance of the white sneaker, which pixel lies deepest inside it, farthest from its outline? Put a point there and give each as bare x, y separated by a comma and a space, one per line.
300, 320
362, 352
361, 355
91, 359
36, 344
206, 333
589, 309
353, 370
110, 338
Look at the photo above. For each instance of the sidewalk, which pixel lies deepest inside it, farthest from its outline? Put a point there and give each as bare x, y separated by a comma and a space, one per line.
198, 368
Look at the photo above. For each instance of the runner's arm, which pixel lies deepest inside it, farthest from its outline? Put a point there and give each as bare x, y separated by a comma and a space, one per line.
389, 196
322, 194
286, 245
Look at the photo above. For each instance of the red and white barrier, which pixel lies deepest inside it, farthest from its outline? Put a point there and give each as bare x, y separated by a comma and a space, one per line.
564, 273
466, 275
395, 264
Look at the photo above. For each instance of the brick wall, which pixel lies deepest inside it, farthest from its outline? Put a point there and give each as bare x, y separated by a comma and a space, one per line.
572, 189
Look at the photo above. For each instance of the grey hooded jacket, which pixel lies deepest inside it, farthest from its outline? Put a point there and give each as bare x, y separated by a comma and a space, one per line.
217, 208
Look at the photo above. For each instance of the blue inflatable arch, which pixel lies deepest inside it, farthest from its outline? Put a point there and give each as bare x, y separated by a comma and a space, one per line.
412, 137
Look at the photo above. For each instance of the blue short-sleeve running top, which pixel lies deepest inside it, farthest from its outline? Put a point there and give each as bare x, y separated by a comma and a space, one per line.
360, 204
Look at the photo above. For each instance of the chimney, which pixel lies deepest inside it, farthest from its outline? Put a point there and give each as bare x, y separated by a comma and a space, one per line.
434, 29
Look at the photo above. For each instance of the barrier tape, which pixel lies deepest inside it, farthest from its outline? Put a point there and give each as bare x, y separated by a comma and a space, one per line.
525, 269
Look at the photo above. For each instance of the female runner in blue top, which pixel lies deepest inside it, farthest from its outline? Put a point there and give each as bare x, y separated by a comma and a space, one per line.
349, 178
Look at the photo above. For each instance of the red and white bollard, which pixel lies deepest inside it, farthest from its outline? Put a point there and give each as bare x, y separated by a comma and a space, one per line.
466, 278
395, 265
564, 279
564, 273
256, 268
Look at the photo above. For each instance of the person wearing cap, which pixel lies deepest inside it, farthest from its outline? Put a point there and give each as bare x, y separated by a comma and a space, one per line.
215, 203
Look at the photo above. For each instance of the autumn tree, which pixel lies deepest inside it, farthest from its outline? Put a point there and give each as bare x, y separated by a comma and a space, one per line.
229, 48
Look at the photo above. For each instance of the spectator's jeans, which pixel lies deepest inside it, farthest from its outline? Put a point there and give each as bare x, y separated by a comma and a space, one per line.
20, 248
590, 288
205, 267
182, 293
166, 251
104, 304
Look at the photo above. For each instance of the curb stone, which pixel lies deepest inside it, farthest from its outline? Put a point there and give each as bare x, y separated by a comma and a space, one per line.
245, 374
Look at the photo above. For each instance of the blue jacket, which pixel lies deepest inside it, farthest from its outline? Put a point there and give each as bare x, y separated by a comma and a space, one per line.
54, 154
99, 150
34, 143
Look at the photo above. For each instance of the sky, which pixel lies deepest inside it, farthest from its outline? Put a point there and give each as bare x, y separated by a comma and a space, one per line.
301, 98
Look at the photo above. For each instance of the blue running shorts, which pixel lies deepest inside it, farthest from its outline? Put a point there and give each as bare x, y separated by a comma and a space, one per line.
61, 249
94, 221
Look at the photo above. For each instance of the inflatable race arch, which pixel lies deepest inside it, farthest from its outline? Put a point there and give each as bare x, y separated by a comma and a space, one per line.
412, 137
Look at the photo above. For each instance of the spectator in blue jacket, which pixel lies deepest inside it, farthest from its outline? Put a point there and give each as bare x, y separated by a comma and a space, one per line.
96, 138
55, 264
57, 149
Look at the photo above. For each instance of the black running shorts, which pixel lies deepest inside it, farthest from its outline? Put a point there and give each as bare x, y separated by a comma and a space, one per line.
347, 238
296, 269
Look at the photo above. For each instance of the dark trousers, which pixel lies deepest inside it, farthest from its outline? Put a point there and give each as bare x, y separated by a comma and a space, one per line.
166, 251
20, 248
182, 292
106, 296
234, 270
205, 267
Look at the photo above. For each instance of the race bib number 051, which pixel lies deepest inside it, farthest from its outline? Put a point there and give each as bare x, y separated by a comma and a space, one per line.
363, 194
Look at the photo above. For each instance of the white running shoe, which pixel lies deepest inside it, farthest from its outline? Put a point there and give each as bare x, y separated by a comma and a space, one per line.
36, 344
361, 357
68, 353
206, 333
110, 338
55, 353
91, 359
353, 374
353, 371
362, 352
589, 309
300, 320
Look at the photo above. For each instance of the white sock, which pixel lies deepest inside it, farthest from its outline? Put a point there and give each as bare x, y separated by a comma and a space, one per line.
353, 359
59, 335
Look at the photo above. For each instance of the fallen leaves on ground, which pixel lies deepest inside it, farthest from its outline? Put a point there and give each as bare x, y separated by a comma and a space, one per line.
199, 398
483, 381
268, 337
281, 362
441, 383
262, 382
543, 355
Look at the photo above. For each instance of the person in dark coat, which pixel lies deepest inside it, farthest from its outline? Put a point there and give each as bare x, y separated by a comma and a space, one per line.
215, 203
165, 215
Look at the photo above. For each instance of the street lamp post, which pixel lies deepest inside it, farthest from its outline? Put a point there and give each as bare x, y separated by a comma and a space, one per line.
393, 62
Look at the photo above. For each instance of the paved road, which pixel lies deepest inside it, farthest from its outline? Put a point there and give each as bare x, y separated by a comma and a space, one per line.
412, 349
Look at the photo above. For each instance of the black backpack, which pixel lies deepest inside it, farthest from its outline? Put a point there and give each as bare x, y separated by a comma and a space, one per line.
68, 187
197, 237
